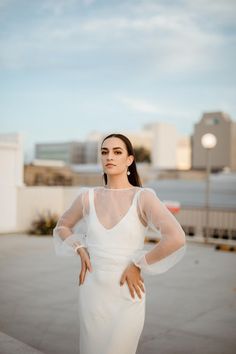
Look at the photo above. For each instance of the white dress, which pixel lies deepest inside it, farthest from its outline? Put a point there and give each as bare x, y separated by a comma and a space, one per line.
115, 222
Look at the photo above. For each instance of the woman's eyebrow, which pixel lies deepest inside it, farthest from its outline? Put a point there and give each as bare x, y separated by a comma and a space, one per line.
115, 148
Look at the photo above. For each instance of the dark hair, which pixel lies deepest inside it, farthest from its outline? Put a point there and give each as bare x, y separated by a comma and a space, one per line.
133, 178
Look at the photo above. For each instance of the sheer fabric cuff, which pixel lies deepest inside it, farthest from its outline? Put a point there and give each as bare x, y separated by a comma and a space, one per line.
160, 266
70, 245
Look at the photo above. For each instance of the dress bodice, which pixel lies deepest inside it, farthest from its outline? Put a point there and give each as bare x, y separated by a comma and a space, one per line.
116, 245
111, 224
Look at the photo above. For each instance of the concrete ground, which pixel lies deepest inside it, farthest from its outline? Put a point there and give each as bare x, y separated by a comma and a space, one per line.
189, 310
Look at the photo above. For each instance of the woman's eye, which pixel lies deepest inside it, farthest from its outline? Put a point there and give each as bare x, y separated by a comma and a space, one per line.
116, 152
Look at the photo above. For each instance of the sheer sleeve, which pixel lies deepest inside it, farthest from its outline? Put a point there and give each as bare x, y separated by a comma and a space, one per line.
70, 231
172, 245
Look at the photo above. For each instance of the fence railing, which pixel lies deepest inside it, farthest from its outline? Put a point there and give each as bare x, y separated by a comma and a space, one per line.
222, 225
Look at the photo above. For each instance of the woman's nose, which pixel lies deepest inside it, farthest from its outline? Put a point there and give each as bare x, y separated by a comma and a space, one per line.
109, 156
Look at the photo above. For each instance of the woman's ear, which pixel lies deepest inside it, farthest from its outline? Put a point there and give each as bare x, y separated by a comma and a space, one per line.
130, 159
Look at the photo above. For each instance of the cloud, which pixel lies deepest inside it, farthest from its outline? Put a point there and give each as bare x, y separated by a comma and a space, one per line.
60, 7
5, 3
163, 110
138, 105
165, 39
221, 11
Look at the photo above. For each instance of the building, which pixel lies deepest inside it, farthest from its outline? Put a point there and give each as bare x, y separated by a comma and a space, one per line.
69, 152
159, 142
169, 150
224, 153
48, 173
183, 153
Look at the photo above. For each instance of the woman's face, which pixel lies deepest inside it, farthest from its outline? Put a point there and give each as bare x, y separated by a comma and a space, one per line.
114, 156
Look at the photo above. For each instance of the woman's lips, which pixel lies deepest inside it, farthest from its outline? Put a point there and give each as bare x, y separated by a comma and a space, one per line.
110, 165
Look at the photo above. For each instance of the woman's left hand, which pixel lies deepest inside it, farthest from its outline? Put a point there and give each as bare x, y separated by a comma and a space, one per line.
134, 280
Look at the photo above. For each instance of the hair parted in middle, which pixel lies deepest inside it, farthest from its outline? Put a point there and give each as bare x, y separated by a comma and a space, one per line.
133, 177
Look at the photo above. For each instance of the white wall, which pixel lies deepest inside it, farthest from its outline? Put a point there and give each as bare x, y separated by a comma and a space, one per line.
11, 160
36, 200
184, 153
164, 149
8, 208
11, 177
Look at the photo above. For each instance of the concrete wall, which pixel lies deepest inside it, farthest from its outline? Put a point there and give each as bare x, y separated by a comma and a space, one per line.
11, 177
32, 201
164, 149
183, 153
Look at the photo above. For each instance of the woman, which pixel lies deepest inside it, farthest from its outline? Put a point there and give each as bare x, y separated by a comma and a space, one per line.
114, 219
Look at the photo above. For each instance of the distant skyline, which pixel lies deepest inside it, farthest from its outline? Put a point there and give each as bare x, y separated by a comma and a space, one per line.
69, 67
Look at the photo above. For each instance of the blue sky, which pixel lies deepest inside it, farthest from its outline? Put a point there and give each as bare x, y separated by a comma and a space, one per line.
69, 67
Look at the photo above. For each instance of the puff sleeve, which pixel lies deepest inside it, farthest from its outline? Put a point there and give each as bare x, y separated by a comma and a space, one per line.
172, 245
70, 231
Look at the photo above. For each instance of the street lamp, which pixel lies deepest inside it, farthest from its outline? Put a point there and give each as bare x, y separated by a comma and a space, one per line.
208, 142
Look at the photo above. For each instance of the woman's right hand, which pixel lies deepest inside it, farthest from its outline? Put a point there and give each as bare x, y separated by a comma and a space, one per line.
85, 263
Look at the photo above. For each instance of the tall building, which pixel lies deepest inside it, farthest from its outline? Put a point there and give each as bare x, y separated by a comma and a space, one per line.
164, 154
183, 153
169, 149
160, 141
69, 152
224, 153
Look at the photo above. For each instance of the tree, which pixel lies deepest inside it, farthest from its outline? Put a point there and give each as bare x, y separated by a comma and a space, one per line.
142, 154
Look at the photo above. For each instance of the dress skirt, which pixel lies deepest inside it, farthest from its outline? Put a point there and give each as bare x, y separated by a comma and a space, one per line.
110, 320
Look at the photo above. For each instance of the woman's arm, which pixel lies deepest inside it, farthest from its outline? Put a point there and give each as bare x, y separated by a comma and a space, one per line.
171, 248
67, 241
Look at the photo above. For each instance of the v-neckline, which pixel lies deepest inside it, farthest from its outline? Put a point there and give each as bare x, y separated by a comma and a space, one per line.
119, 222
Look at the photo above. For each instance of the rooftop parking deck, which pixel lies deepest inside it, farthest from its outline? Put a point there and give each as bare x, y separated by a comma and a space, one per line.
189, 309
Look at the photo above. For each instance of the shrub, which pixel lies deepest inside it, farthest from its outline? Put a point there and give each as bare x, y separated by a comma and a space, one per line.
43, 224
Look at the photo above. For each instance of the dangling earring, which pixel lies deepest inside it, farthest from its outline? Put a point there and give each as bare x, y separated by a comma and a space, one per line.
128, 172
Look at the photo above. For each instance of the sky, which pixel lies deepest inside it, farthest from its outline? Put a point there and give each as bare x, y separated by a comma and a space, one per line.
71, 67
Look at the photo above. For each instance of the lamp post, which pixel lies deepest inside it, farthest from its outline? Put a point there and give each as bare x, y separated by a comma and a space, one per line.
208, 142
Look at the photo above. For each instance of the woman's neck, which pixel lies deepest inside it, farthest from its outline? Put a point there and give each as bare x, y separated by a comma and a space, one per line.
118, 183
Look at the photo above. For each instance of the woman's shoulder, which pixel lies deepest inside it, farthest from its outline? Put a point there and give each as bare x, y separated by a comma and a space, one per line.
148, 195
85, 190
148, 191
148, 198
141, 191
82, 189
